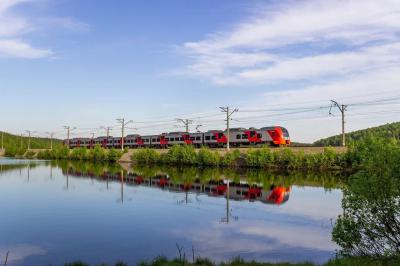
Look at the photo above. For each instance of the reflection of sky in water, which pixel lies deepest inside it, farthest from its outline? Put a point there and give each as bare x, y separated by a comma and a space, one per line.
53, 220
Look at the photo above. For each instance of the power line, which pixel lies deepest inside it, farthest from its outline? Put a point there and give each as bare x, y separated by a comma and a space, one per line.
186, 122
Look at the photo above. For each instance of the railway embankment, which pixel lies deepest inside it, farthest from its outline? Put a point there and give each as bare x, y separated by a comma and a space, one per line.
127, 157
294, 158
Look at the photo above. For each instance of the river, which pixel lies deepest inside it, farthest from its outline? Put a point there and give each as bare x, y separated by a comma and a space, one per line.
57, 212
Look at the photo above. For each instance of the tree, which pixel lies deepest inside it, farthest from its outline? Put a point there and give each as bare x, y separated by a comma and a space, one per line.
370, 223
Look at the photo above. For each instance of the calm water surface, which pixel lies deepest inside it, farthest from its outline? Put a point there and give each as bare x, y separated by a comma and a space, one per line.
52, 213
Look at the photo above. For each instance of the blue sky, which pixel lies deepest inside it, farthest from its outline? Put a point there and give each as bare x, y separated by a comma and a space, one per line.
86, 63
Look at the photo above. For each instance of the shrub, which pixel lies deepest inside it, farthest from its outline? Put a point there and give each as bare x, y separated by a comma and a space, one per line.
113, 155
29, 154
231, 158
206, 157
146, 156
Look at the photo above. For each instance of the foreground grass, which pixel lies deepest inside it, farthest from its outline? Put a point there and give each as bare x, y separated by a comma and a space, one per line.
284, 159
162, 261
97, 154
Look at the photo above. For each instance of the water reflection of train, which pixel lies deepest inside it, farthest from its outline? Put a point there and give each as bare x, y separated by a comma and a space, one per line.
216, 188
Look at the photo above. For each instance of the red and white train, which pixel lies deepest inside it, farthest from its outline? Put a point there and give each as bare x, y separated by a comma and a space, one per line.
274, 135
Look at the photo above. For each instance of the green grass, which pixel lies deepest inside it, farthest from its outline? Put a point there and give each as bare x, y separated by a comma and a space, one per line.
97, 154
17, 146
264, 158
162, 261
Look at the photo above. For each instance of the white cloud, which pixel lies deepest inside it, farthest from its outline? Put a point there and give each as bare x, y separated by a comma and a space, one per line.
300, 41
13, 26
19, 49
68, 23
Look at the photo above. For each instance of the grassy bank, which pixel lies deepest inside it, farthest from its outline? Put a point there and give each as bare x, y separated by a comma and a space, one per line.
161, 261
283, 159
97, 154
266, 158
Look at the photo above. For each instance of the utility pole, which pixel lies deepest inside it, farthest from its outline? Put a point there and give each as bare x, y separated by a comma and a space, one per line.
228, 118
197, 128
342, 108
123, 124
51, 134
107, 130
186, 123
69, 129
29, 138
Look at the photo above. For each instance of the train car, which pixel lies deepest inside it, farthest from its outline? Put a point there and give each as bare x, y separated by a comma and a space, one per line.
175, 138
146, 141
116, 142
133, 141
215, 138
195, 139
276, 136
159, 141
245, 137
101, 141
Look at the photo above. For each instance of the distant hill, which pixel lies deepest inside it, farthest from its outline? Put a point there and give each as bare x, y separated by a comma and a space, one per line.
15, 145
385, 131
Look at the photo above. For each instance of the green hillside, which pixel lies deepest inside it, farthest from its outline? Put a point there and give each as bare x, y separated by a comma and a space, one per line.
14, 145
391, 130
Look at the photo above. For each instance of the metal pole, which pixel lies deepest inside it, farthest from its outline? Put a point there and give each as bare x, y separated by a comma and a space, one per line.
342, 109
69, 129
227, 127
228, 117
186, 123
2, 140
29, 140
123, 124
51, 134
123, 129
343, 130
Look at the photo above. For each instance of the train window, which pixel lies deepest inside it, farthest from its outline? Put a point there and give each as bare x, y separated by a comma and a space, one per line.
158, 139
244, 136
285, 132
220, 135
198, 138
238, 136
192, 138
153, 140
181, 139
259, 136
252, 133
176, 139
207, 138
213, 138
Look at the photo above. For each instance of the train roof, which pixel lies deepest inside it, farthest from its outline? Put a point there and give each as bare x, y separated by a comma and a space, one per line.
132, 136
215, 130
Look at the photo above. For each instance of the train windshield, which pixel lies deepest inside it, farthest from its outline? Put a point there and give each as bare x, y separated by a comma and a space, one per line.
285, 132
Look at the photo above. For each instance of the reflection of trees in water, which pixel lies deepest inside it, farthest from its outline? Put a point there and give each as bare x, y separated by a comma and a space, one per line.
327, 180
370, 223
